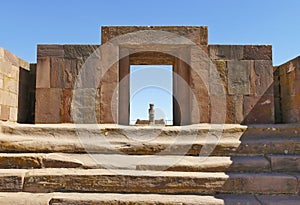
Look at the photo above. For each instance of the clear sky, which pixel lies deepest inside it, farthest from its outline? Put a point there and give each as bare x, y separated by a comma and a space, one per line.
24, 24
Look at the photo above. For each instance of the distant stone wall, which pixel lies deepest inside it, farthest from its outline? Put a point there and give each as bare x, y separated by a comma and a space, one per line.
10, 68
247, 75
287, 91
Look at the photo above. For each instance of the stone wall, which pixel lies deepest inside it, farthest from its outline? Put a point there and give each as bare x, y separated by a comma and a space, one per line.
57, 70
10, 68
246, 72
287, 91
247, 75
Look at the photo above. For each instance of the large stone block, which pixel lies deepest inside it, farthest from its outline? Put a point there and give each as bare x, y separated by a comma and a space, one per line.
48, 105
4, 112
238, 77
11, 58
43, 73
13, 114
258, 109
262, 78
50, 51
226, 52
79, 51
66, 102
197, 34
258, 52
11, 85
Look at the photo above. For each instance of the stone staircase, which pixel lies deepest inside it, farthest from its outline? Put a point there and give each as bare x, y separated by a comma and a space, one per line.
70, 164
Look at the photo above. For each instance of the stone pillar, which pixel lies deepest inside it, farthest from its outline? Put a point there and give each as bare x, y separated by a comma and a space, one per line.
151, 114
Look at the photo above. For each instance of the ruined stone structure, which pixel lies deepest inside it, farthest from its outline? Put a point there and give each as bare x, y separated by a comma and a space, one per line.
245, 71
217, 164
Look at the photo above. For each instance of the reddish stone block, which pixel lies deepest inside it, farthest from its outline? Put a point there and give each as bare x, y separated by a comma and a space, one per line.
257, 52
65, 110
50, 51
48, 105
258, 109
262, 78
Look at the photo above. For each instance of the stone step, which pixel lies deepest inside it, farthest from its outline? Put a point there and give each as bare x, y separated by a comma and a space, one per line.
136, 181
8, 198
184, 145
145, 162
25, 198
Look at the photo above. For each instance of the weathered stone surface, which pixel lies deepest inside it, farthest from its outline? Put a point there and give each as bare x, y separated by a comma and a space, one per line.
257, 52
258, 109
152, 199
20, 161
50, 51
43, 73
289, 81
98, 180
234, 140
79, 51
11, 180
48, 111
278, 200
128, 181
60, 161
285, 163
263, 77
4, 114
238, 77
262, 183
226, 52
197, 34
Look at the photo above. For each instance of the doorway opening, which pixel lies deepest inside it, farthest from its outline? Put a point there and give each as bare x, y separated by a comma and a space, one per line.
151, 84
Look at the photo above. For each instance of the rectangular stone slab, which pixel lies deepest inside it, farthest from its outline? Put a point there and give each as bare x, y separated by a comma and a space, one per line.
130, 181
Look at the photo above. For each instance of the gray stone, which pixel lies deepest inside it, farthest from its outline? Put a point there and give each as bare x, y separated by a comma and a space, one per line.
238, 77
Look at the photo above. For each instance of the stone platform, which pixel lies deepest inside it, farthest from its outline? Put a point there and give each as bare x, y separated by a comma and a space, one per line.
109, 164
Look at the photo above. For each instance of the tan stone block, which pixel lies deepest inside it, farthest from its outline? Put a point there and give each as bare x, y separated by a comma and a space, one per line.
23, 64
48, 104
11, 58
1, 81
13, 99
4, 112
5, 68
10, 85
43, 73
4, 97
13, 114
14, 73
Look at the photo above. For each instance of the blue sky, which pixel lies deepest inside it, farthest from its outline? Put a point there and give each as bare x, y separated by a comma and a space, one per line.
24, 24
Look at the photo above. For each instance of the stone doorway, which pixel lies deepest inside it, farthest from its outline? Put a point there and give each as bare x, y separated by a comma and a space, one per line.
181, 80
151, 84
